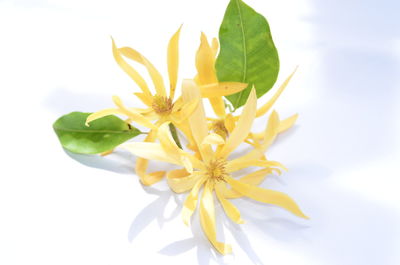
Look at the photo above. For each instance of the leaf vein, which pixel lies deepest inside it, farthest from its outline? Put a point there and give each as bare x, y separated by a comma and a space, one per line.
244, 52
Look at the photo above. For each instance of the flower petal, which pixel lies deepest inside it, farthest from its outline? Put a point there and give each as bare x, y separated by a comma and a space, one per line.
147, 100
255, 178
197, 121
167, 142
101, 114
180, 180
266, 196
207, 220
173, 62
269, 136
271, 131
186, 110
230, 209
129, 69
287, 123
215, 46
230, 123
205, 62
142, 164
218, 105
153, 72
169, 145
238, 164
213, 138
152, 151
221, 89
133, 115
243, 125
264, 109
191, 201
283, 126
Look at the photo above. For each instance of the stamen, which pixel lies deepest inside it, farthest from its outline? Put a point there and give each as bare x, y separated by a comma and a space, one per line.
162, 105
216, 170
219, 128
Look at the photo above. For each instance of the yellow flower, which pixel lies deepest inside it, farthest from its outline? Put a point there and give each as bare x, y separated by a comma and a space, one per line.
212, 169
160, 106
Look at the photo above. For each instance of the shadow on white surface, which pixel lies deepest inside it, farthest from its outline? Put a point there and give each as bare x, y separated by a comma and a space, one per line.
118, 162
204, 249
357, 80
154, 211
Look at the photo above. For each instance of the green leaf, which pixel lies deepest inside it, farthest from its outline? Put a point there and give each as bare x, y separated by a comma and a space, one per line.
102, 135
247, 53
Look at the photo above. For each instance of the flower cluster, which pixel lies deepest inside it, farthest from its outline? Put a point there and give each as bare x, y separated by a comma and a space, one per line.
204, 161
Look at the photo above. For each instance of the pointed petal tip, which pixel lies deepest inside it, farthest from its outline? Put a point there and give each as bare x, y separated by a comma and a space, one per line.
203, 37
113, 42
304, 216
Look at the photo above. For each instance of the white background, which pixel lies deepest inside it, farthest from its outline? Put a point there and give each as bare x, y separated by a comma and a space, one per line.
343, 155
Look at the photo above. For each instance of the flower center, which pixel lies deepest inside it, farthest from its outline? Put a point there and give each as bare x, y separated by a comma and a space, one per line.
162, 105
216, 170
219, 128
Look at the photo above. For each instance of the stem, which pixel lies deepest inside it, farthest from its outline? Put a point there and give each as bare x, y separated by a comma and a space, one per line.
174, 133
229, 106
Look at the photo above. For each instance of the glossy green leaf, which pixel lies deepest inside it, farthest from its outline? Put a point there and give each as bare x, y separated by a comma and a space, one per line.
102, 135
247, 53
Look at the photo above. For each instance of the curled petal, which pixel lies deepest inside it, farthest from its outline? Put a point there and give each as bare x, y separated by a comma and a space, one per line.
181, 181
207, 220
133, 115
191, 201
142, 164
230, 209
187, 163
129, 70
167, 142
101, 114
153, 72
255, 178
266, 196
213, 138
153, 151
